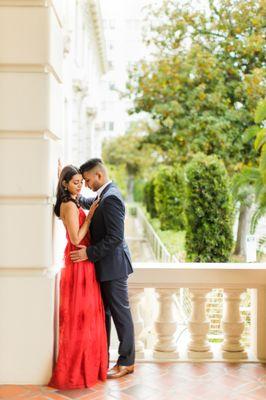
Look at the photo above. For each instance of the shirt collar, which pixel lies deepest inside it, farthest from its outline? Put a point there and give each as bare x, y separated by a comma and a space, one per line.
99, 191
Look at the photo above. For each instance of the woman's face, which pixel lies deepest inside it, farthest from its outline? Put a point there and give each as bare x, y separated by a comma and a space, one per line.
74, 186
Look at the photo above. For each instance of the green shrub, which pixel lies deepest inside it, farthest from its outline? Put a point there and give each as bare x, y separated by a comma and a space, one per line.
208, 211
138, 190
169, 197
149, 198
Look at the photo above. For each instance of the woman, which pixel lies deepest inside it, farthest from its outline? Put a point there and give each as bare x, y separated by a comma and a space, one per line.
82, 357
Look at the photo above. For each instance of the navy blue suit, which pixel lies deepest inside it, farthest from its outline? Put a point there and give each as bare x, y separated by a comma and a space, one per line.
110, 254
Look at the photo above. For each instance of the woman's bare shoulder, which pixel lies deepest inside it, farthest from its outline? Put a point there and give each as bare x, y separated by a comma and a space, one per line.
67, 208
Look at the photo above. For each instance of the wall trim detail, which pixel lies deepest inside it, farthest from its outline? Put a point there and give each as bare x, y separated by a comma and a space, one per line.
32, 3
30, 68
28, 135
27, 200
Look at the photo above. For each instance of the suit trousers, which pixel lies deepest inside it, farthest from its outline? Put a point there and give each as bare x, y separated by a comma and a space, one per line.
116, 304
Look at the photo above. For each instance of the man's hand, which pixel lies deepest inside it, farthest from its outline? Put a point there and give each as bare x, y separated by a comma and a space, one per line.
79, 255
93, 208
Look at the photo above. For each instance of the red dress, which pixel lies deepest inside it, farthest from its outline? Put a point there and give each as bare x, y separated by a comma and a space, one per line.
82, 357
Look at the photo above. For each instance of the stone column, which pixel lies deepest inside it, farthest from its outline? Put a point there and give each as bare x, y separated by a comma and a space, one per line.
199, 347
30, 124
166, 325
135, 296
232, 325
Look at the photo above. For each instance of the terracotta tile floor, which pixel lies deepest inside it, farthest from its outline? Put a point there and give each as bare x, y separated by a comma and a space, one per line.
180, 381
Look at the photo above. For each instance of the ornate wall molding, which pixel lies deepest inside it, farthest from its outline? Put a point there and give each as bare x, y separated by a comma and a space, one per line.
80, 88
98, 28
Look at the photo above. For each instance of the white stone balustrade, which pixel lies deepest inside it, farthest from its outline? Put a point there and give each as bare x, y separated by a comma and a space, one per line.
166, 325
233, 278
198, 326
232, 324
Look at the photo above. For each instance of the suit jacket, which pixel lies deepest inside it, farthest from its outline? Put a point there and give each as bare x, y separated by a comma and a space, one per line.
108, 249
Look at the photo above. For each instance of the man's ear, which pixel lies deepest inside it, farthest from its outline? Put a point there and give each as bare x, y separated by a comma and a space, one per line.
99, 175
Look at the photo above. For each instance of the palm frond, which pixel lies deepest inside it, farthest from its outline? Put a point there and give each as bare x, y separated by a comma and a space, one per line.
260, 113
250, 133
263, 164
260, 138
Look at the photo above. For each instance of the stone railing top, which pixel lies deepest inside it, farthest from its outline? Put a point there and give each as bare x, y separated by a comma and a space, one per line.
198, 275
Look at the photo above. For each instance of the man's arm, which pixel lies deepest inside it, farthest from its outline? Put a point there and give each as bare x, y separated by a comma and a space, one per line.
86, 202
113, 214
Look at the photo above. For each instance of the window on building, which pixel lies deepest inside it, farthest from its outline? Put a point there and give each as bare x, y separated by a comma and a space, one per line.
111, 126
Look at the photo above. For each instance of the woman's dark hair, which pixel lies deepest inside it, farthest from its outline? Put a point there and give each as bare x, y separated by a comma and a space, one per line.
62, 194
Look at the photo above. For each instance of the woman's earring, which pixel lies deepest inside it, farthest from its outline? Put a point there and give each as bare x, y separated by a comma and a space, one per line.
66, 189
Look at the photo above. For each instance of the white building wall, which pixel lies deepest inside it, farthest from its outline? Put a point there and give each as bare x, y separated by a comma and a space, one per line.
51, 61
30, 127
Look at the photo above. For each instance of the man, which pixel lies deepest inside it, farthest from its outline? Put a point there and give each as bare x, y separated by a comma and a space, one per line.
110, 254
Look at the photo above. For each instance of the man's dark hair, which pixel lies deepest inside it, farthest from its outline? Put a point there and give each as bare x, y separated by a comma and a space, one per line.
90, 164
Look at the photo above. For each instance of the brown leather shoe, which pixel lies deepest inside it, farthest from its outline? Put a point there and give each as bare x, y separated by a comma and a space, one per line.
120, 370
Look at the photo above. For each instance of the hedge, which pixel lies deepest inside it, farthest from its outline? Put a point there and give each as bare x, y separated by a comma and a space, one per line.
209, 216
169, 197
149, 198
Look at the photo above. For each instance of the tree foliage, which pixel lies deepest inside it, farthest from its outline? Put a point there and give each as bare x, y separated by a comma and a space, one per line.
253, 179
206, 77
169, 197
149, 197
128, 151
209, 235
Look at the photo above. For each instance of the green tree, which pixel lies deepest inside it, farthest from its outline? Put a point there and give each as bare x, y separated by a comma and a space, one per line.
128, 152
206, 76
169, 197
149, 197
252, 180
209, 235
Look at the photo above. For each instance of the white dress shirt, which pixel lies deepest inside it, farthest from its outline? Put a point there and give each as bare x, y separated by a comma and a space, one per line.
99, 191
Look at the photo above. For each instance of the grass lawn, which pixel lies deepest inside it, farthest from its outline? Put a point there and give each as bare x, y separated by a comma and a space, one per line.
174, 241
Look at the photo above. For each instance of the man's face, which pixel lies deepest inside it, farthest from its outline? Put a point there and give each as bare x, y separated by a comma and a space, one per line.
93, 180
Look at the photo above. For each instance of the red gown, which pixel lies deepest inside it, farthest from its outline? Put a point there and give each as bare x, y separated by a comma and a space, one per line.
82, 357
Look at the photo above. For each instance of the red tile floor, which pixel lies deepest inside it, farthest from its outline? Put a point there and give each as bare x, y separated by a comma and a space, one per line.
180, 381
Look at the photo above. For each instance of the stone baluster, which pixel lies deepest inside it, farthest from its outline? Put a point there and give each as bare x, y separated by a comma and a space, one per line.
166, 325
258, 322
232, 325
199, 347
135, 296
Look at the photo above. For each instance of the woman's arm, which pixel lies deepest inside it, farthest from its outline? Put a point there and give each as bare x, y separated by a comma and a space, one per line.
70, 216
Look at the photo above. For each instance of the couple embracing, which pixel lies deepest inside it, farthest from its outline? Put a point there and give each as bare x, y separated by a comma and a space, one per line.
93, 283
